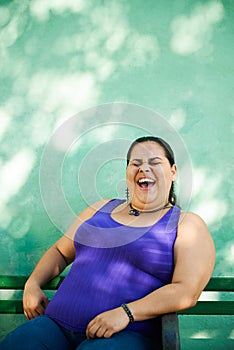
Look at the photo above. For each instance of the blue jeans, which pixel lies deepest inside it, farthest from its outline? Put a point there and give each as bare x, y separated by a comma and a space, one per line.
42, 333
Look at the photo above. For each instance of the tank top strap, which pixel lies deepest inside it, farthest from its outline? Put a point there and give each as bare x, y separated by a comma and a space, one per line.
109, 206
171, 219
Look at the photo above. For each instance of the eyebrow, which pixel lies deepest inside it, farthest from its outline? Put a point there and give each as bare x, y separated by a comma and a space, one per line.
150, 159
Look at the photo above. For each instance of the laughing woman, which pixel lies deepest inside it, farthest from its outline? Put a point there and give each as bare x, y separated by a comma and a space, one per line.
132, 262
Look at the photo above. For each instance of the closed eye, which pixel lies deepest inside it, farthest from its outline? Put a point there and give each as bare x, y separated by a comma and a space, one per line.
151, 161
154, 163
135, 163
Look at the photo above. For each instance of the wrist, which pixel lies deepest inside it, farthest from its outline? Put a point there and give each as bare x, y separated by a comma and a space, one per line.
128, 312
31, 283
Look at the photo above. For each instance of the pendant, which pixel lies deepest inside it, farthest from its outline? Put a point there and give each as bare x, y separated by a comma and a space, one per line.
134, 212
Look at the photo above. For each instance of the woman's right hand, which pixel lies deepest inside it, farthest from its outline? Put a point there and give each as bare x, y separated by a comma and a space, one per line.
35, 301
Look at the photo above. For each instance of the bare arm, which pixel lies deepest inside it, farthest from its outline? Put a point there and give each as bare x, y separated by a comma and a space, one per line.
194, 262
52, 263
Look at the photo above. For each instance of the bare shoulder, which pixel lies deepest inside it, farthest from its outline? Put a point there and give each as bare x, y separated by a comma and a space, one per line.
192, 222
194, 253
85, 215
193, 231
92, 209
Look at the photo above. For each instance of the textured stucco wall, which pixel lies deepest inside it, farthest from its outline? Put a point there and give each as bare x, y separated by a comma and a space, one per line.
58, 58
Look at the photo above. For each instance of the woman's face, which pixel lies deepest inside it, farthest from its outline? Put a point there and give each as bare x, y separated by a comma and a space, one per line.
149, 175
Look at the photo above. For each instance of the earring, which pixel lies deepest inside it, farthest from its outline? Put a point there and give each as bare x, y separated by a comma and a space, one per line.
127, 194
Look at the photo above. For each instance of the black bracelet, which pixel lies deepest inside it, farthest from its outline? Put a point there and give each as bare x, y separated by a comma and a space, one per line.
128, 312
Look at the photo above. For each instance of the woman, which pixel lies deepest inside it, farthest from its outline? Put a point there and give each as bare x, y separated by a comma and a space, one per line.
115, 292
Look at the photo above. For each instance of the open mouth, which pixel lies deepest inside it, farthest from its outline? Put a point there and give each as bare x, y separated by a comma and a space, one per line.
146, 183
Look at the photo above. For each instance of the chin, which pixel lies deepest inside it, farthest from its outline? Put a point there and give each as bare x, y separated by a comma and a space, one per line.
146, 198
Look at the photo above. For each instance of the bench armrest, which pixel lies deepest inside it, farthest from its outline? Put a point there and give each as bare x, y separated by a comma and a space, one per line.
170, 332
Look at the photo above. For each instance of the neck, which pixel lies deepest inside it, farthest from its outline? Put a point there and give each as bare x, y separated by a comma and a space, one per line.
136, 212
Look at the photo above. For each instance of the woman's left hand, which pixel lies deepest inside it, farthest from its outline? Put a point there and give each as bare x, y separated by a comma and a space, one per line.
107, 323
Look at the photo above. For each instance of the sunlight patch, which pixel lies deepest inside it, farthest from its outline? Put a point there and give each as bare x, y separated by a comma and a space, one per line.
15, 173
41, 9
20, 226
204, 335
142, 49
5, 121
116, 39
14, 28
5, 15
205, 187
204, 184
63, 94
212, 210
178, 118
230, 258
191, 33
214, 296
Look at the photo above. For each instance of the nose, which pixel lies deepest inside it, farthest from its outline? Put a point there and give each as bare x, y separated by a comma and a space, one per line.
144, 167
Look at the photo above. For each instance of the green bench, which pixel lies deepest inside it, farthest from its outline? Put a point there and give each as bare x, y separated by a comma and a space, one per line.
170, 324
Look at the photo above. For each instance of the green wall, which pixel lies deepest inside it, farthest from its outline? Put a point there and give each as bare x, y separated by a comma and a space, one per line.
60, 59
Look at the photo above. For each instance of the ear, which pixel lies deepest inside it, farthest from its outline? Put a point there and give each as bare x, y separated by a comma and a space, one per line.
173, 172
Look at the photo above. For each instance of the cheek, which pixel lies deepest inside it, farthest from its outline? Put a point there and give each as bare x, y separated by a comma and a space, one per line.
162, 175
130, 172
159, 173
130, 177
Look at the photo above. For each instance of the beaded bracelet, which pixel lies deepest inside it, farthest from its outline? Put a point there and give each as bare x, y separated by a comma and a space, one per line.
128, 312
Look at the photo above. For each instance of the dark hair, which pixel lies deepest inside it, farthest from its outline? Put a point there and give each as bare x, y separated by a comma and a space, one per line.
168, 153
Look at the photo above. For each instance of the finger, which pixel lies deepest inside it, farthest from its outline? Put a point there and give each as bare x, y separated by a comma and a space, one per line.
26, 315
101, 331
40, 310
31, 314
45, 300
91, 331
108, 333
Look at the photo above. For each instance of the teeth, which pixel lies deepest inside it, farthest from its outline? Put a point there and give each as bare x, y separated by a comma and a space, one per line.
146, 180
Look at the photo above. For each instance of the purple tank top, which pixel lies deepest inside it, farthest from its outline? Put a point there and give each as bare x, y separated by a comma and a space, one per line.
110, 269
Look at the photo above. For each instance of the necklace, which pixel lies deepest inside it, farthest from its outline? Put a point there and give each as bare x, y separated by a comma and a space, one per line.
136, 212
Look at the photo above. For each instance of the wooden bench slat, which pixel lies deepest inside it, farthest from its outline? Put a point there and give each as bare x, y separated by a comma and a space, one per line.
170, 330
220, 284
202, 308
12, 282
18, 282
217, 284
11, 307
222, 307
